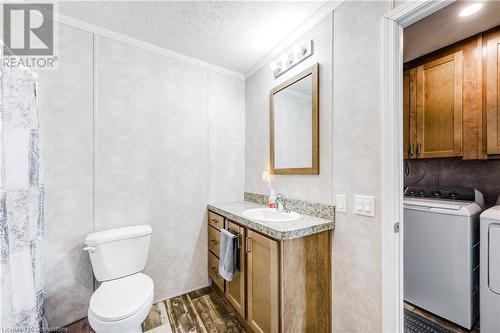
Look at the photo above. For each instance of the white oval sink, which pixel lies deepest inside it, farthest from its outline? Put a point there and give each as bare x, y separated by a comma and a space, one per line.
270, 215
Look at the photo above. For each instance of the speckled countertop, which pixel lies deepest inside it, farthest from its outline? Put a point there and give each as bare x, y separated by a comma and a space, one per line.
304, 226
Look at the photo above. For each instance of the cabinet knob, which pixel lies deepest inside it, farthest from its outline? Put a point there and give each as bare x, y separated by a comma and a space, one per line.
419, 148
410, 152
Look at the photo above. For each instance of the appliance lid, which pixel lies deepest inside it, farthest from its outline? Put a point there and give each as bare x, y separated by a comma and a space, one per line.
492, 214
117, 234
441, 204
121, 298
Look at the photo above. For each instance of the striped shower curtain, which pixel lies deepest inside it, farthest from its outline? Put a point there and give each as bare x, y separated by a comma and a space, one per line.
21, 204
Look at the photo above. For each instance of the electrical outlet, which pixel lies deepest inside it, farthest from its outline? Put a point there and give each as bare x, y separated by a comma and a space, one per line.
341, 203
364, 205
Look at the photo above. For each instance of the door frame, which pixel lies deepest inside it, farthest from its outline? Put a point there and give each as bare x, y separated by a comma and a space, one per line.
392, 156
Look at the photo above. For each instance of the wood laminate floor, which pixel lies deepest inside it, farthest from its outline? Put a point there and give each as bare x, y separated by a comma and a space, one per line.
200, 311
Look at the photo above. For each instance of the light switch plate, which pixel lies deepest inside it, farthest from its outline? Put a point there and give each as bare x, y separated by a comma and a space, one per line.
341, 203
364, 205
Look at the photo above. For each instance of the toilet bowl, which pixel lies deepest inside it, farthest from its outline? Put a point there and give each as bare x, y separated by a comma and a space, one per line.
124, 298
121, 305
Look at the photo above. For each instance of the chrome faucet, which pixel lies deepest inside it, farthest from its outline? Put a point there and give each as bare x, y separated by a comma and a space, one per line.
281, 203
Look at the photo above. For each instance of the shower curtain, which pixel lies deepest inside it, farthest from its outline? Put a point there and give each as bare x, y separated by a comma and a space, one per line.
21, 204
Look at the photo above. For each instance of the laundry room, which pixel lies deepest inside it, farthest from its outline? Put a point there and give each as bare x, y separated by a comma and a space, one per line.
451, 148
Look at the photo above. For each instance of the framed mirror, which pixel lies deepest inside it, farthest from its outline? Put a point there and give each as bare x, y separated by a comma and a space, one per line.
294, 125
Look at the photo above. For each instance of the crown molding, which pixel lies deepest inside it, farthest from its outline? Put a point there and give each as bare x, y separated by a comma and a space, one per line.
100, 31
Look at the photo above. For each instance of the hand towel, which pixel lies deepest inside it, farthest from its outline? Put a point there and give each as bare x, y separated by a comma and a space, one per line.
228, 254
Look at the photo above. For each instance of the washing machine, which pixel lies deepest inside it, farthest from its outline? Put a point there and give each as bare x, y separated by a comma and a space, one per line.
490, 270
441, 251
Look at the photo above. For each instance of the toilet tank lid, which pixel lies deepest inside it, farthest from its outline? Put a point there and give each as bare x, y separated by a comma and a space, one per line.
117, 234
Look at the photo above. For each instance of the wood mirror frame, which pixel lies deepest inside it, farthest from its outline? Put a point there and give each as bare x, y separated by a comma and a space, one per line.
314, 169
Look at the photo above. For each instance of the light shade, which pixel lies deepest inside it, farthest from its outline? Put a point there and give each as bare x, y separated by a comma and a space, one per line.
470, 9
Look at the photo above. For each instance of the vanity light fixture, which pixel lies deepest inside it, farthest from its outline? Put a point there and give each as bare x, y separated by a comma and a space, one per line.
290, 58
470, 9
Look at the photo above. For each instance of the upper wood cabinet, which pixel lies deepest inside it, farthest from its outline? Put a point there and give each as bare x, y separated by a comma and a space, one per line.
439, 107
263, 283
432, 108
492, 91
409, 113
442, 103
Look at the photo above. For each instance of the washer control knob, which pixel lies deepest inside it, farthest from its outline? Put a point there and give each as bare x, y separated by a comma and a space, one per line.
436, 193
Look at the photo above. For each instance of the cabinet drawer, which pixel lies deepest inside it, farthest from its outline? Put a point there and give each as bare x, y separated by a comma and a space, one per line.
213, 270
214, 240
215, 220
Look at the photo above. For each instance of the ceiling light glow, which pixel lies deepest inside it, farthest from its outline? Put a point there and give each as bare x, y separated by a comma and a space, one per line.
470, 9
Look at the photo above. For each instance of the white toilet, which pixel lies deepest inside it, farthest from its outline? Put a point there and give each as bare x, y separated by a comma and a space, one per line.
124, 298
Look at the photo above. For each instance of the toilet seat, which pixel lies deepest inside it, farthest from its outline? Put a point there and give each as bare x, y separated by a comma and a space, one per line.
121, 298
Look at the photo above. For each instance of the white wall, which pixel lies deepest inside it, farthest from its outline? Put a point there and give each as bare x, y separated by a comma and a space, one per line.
226, 138
150, 155
127, 139
312, 188
356, 144
65, 107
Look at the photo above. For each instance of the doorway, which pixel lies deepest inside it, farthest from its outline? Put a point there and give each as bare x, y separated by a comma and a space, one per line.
399, 146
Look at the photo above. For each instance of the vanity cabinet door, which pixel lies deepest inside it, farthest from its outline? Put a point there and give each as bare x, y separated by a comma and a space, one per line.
493, 93
439, 107
235, 289
263, 283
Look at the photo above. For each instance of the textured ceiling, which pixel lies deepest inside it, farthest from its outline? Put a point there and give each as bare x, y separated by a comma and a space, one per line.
230, 34
446, 27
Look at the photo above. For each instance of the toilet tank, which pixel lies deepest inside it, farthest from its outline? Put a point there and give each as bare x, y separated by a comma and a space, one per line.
119, 252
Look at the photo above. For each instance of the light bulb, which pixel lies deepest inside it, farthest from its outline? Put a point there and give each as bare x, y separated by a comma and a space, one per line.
299, 50
470, 9
273, 66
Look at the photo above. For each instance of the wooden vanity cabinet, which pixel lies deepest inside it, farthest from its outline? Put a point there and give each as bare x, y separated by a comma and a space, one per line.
280, 285
215, 223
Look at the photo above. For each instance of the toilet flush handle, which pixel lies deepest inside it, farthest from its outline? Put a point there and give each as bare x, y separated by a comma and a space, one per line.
89, 248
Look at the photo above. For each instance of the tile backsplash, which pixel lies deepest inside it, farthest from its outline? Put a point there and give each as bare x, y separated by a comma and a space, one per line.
481, 175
